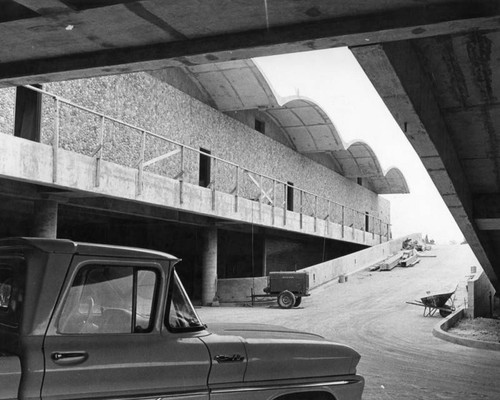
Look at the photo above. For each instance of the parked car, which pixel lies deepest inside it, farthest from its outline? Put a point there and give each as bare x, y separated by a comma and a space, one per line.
81, 321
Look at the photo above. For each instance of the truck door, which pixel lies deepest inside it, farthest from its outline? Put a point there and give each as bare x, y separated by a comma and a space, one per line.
107, 338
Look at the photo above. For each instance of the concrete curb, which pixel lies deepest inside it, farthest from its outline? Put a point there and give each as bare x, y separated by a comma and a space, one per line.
440, 331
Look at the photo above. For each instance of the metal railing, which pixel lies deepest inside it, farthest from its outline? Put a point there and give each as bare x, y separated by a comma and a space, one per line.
108, 138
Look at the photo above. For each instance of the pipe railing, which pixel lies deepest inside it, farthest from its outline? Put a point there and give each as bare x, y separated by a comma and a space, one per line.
149, 151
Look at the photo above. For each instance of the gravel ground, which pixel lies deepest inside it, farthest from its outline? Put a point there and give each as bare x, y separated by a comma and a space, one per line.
400, 358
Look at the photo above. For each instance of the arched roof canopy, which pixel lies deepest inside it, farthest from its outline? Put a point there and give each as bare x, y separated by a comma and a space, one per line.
358, 161
307, 126
239, 85
393, 182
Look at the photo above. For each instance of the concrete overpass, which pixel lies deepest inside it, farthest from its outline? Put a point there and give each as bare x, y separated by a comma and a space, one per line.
435, 63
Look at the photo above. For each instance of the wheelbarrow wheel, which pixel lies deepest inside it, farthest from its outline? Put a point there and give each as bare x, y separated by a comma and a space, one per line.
286, 299
298, 300
446, 310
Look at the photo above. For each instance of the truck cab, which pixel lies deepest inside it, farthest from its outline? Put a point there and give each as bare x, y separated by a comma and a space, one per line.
82, 320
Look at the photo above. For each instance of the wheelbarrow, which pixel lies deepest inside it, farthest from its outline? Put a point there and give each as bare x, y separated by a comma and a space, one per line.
442, 302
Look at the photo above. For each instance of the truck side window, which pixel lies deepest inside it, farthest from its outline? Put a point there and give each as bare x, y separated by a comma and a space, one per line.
181, 316
110, 299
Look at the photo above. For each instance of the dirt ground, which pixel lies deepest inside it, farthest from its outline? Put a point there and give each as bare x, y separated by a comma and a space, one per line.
484, 329
400, 358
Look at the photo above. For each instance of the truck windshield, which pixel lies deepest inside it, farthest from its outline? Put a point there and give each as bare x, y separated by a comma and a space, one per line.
181, 316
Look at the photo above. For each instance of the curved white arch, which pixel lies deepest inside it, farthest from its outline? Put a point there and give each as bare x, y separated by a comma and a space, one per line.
307, 125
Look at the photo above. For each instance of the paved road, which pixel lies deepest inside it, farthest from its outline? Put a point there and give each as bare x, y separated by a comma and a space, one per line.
401, 359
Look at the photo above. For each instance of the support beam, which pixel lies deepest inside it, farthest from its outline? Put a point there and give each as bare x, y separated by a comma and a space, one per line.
45, 7
487, 205
45, 219
357, 30
141, 210
487, 211
396, 72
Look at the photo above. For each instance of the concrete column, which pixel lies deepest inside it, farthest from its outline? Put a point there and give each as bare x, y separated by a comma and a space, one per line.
45, 219
209, 259
264, 256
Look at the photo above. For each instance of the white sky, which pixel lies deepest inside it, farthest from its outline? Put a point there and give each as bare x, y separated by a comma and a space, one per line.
334, 80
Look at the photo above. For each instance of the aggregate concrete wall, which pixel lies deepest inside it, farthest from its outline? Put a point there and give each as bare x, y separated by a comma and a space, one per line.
237, 290
480, 294
148, 102
7, 108
248, 118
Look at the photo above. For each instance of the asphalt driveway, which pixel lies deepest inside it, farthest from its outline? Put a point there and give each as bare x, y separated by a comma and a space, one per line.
400, 358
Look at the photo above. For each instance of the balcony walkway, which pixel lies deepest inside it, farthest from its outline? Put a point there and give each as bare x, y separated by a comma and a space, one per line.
158, 177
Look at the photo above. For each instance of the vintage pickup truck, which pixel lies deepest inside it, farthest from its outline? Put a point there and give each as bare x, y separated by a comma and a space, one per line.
82, 321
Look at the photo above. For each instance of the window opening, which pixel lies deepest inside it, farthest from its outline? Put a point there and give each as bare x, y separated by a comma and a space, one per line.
367, 222
205, 167
28, 115
289, 196
260, 126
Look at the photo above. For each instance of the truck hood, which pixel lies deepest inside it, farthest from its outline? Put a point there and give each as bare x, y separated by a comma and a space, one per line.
276, 353
256, 331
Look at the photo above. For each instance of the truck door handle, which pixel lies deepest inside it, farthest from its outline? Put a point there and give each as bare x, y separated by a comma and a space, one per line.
69, 357
233, 358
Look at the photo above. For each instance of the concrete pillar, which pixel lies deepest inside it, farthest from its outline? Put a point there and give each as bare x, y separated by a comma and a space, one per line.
264, 256
209, 260
45, 219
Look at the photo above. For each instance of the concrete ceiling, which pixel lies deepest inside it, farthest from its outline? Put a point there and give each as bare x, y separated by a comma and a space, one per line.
434, 62
61, 39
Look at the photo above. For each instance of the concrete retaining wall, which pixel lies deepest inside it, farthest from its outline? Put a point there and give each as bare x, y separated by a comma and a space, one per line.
237, 290
352, 263
480, 294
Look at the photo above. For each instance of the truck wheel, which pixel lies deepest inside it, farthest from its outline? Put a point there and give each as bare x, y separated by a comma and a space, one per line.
298, 300
286, 299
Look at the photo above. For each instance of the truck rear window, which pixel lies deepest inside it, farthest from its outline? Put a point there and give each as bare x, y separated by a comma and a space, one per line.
110, 299
11, 273
6, 282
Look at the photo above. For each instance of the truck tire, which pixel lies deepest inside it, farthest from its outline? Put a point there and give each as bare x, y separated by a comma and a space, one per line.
298, 300
286, 299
